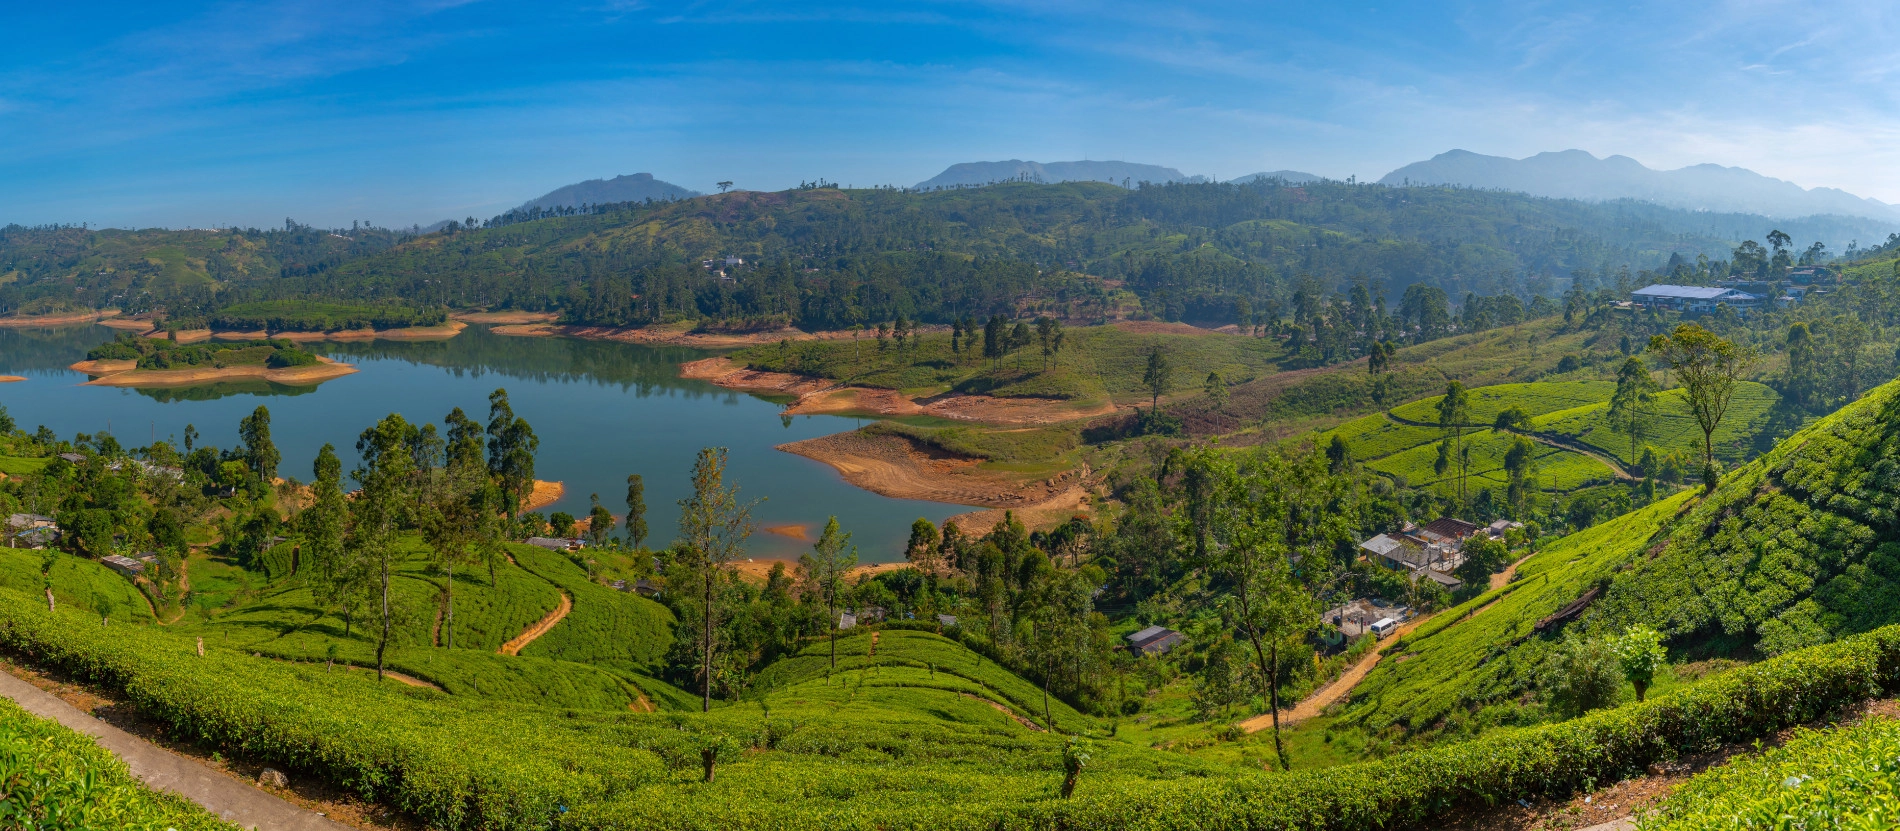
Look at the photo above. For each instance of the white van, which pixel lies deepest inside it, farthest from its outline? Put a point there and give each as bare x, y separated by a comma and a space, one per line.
1384, 627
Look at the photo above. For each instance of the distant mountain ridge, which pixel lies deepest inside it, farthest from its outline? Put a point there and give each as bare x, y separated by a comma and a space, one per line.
1575, 174
965, 174
637, 187
1291, 177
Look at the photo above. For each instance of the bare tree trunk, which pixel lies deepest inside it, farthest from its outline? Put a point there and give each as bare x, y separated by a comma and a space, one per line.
1270, 667
383, 642
706, 638
832, 628
49, 598
450, 623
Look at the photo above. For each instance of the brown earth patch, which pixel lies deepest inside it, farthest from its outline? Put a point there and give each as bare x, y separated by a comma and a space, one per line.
791, 530
897, 467
191, 336
726, 373
260, 334
1157, 327
1041, 516
57, 320
118, 374
758, 570
129, 324
544, 494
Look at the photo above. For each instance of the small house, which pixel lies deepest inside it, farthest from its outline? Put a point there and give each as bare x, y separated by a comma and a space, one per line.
1446, 530
946, 620
618, 585
35, 537
28, 522
123, 565
877, 613
1393, 551
847, 620
1443, 577
1154, 640
75, 458
645, 588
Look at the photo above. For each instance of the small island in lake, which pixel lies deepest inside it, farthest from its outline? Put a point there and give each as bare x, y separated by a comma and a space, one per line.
133, 361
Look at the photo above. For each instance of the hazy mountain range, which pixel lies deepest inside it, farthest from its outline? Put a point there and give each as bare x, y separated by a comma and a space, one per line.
983, 173
1575, 174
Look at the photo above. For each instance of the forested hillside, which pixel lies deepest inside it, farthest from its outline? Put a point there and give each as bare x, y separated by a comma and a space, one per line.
820, 257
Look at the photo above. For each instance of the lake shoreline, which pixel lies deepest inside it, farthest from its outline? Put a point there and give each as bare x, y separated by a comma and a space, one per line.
14, 322
127, 374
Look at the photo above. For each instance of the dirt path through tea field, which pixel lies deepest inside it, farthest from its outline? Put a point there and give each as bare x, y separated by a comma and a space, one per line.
1333, 691
540, 627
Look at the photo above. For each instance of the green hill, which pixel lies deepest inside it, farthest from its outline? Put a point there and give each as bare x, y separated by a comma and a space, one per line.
1791, 550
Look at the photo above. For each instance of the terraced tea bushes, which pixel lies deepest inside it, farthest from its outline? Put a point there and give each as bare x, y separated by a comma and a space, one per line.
53, 777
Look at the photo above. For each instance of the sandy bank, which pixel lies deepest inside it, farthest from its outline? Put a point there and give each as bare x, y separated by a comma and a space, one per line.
545, 493
126, 374
8, 379
191, 336
825, 396
1041, 516
790, 530
412, 333
505, 317
129, 324
57, 320
760, 569
897, 467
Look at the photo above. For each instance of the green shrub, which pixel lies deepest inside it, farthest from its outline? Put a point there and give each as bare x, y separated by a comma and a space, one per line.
55, 778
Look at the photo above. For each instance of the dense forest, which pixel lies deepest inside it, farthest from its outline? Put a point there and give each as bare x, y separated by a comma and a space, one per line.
821, 257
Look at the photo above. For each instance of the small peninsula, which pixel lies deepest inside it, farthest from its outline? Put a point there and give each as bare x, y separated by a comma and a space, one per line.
132, 361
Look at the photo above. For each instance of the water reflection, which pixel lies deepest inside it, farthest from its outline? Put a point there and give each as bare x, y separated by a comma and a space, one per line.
602, 410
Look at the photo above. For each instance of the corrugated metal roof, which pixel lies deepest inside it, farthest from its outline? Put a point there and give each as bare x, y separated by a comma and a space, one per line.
1693, 292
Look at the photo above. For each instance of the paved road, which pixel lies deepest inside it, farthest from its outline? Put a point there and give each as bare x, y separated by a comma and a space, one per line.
234, 800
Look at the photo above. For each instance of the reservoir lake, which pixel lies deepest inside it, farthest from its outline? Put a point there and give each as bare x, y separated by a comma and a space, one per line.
602, 410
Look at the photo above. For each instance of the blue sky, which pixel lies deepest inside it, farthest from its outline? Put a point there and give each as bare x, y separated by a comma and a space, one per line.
225, 113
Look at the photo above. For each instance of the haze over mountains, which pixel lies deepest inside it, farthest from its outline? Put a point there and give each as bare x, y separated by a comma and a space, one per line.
982, 173
1575, 174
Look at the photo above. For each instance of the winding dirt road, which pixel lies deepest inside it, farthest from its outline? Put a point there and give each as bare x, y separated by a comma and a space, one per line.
541, 627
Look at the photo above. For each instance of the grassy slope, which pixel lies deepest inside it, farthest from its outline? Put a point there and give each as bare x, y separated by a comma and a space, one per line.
941, 663
1751, 563
78, 583
283, 620
1096, 362
605, 626
1462, 662
1671, 427
57, 778
1796, 548
21, 465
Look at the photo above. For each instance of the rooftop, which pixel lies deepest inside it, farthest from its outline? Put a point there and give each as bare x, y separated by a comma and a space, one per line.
1692, 292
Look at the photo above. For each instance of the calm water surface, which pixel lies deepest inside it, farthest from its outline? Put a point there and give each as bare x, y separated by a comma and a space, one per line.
601, 410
